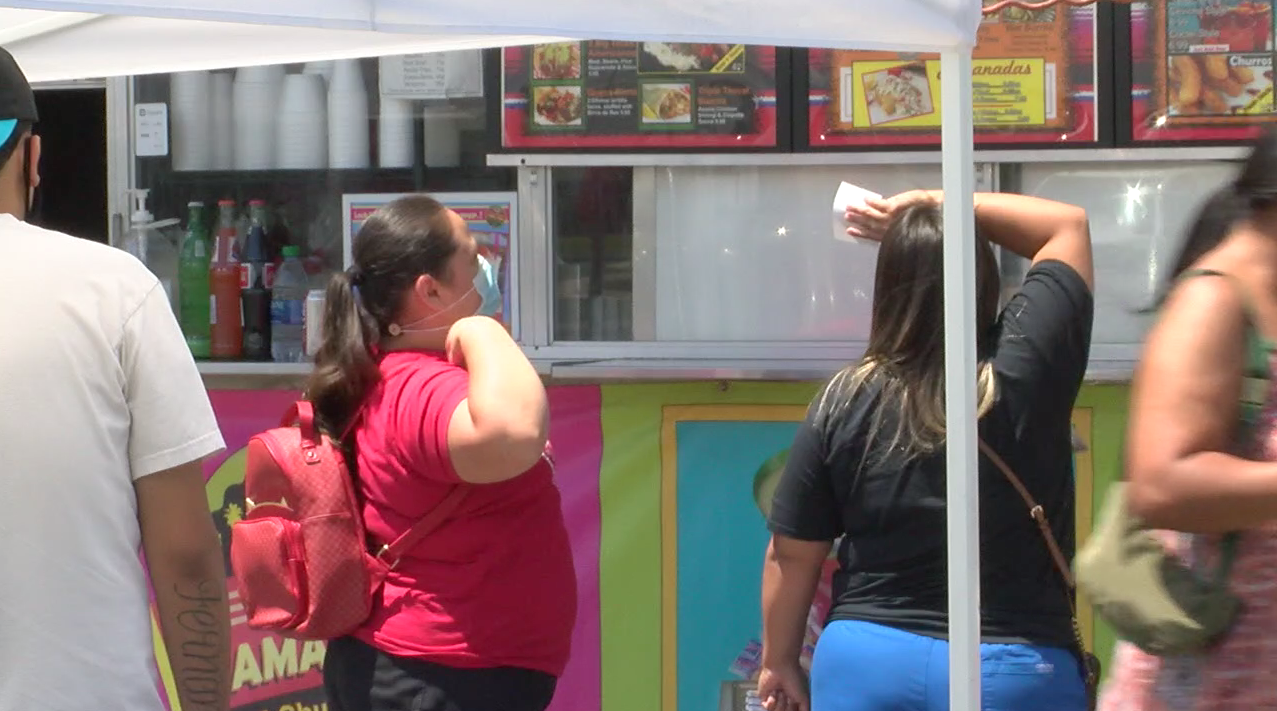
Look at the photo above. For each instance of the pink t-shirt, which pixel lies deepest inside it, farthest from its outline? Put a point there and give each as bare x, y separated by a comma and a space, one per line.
494, 585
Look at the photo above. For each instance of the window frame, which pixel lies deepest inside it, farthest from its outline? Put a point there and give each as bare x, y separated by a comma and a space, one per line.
688, 360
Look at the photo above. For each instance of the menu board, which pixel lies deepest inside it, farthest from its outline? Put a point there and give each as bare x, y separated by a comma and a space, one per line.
1033, 81
1201, 69
604, 94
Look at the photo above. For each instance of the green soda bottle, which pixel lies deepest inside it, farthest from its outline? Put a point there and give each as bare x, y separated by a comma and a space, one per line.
193, 284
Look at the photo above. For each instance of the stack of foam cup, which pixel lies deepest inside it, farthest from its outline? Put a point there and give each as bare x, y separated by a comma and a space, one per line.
255, 103
222, 120
394, 133
348, 139
324, 69
190, 114
443, 137
301, 128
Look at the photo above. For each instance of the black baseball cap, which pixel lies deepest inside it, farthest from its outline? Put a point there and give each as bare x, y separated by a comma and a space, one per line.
17, 100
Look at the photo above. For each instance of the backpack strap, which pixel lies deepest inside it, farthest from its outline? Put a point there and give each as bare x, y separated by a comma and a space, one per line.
391, 553
301, 413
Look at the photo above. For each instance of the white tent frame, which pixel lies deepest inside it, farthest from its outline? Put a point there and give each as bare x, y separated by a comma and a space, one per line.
961, 452
959, 316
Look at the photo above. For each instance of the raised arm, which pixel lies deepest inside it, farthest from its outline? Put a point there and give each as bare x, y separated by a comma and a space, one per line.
1034, 228
1184, 413
1038, 230
500, 430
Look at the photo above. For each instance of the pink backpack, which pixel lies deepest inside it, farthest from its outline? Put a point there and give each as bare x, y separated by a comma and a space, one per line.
301, 553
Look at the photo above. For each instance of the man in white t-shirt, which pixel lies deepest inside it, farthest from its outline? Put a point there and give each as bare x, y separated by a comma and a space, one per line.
103, 425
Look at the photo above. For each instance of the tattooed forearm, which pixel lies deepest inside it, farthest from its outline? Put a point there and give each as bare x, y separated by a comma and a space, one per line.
196, 628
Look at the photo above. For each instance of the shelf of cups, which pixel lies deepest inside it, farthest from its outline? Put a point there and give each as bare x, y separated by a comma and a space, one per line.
291, 175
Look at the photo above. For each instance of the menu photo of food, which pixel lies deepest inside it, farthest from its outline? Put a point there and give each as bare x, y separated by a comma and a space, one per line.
1220, 84
559, 60
688, 57
897, 93
1219, 25
667, 105
497, 215
1201, 69
558, 106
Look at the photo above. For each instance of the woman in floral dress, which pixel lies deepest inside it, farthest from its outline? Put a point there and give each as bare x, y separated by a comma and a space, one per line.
1193, 470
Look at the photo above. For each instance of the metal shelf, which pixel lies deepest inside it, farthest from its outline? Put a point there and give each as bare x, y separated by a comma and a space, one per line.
210, 367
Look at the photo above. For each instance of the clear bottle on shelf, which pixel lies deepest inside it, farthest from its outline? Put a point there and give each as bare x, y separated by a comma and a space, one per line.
287, 308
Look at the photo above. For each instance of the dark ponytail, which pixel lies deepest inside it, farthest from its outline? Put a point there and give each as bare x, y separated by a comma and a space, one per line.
397, 244
344, 366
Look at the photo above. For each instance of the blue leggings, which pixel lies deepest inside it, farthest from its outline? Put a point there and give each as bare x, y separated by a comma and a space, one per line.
861, 666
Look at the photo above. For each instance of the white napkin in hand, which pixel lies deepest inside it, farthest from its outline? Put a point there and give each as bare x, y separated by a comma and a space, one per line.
849, 195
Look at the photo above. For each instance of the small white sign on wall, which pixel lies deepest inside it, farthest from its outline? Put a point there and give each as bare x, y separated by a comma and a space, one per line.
150, 130
433, 75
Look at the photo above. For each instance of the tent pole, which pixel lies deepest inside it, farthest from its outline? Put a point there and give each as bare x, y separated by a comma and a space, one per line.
962, 480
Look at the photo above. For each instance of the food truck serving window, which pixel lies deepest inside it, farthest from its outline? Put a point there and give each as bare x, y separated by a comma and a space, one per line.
712, 254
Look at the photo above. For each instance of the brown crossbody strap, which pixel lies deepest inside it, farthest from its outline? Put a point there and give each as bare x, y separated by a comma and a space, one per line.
1039, 517
1088, 664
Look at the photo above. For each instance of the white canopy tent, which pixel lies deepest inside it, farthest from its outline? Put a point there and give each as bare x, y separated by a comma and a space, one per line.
60, 40
71, 39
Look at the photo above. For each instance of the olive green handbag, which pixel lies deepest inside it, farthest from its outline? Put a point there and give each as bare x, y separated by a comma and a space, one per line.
1148, 596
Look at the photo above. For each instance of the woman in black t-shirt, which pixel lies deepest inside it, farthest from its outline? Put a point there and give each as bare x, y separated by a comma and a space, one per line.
868, 465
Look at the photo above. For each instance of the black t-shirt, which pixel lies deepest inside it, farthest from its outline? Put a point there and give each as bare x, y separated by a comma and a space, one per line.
891, 513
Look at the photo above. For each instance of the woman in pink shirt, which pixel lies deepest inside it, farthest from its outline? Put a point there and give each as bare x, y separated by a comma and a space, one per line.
435, 395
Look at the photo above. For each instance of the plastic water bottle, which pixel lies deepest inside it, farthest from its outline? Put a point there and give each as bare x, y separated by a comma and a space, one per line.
288, 303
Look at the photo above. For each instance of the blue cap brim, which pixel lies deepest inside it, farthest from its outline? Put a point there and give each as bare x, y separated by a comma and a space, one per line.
7, 127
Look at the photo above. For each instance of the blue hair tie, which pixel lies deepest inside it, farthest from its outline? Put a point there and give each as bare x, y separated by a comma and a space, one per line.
355, 276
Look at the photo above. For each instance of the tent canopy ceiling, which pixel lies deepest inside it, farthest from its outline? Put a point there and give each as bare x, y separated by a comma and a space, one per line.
73, 40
